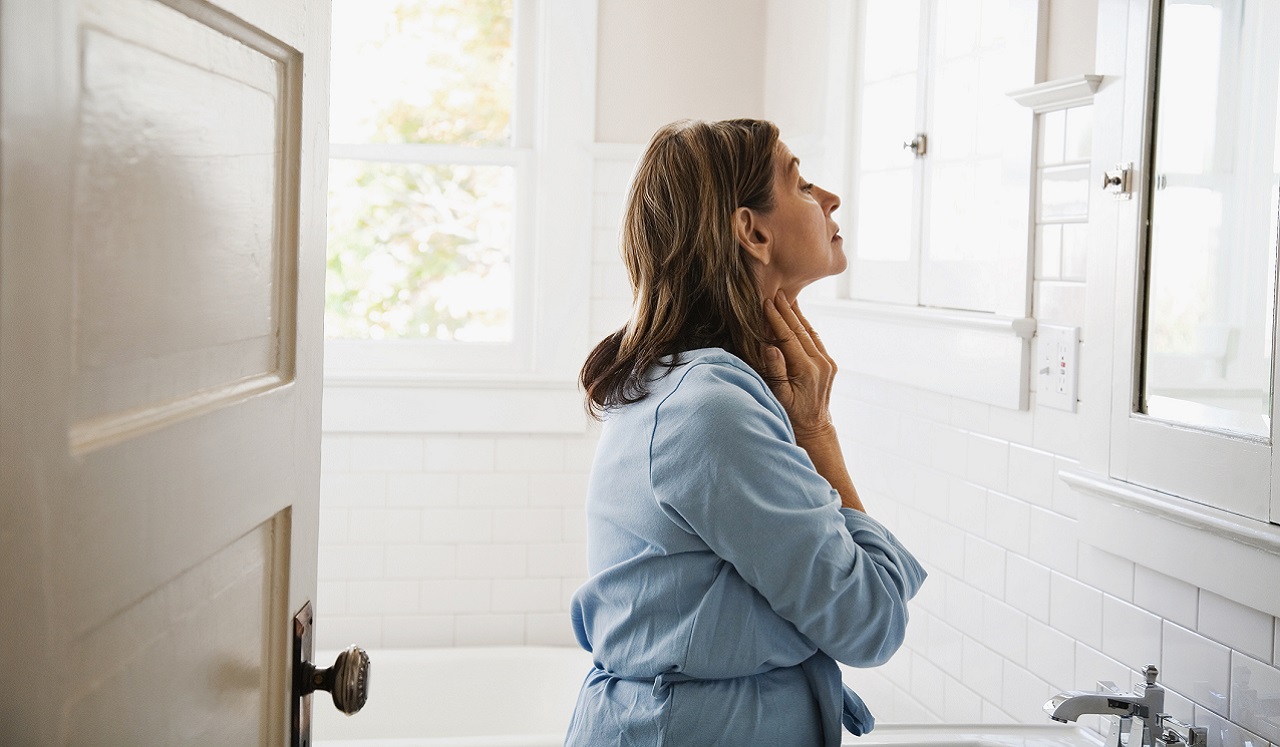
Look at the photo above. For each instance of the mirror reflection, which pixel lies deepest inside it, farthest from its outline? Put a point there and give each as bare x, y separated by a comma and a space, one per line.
1211, 264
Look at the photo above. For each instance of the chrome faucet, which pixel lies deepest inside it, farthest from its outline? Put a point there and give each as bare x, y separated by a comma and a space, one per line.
1139, 718
1069, 706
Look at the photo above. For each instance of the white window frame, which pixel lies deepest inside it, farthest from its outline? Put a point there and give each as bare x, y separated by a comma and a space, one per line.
528, 385
980, 355
1189, 502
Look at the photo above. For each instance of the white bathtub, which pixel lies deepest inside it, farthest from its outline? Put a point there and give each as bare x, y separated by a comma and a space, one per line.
522, 696
499, 696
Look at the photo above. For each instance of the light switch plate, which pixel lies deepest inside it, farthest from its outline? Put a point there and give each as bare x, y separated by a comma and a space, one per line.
1057, 366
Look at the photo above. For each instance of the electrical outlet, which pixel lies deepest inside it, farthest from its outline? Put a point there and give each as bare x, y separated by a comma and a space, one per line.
1057, 364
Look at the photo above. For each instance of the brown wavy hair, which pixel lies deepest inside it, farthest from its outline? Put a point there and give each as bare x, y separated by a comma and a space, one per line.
693, 286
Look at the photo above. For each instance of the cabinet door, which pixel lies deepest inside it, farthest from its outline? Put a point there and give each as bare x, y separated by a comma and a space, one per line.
1192, 413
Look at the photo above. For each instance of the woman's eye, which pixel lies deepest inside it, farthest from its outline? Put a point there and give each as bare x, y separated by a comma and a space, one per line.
807, 187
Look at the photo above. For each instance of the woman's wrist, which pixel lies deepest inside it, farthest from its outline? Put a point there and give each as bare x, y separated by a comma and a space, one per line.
816, 435
823, 447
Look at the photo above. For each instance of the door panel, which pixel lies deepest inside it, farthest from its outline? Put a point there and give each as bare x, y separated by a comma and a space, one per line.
162, 199
185, 183
229, 602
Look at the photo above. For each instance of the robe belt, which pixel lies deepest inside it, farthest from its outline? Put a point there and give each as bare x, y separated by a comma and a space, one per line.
667, 679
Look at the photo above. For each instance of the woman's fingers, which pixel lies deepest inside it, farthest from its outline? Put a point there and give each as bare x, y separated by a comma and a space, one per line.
797, 327
802, 372
792, 348
817, 341
813, 335
776, 366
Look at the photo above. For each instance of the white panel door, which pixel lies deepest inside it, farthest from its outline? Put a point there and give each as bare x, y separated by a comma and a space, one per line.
161, 280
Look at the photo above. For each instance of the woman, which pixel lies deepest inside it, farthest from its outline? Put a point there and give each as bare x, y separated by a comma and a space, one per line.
732, 562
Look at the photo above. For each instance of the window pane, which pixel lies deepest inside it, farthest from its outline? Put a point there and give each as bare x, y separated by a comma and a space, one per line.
422, 71
962, 219
892, 42
957, 27
419, 251
1064, 192
888, 120
884, 216
954, 129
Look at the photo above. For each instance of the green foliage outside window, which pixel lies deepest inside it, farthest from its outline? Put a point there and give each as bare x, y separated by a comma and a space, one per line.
416, 250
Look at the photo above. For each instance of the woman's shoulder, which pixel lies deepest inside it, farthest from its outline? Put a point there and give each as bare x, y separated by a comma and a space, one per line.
710, 371
711, 385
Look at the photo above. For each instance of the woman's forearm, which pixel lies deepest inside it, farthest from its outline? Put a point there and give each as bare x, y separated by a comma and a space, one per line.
823, 448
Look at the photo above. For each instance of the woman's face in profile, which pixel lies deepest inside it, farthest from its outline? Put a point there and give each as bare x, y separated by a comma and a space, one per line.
806, 241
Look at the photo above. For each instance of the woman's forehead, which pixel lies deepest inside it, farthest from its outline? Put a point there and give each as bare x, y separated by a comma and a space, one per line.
785, 161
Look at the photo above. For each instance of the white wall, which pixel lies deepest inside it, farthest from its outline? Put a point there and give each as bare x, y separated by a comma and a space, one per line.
1073, 26
795, 69
663, 60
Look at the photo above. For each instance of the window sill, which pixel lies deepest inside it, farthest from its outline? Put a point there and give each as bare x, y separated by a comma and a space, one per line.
420, 403
973, 355
1226, 554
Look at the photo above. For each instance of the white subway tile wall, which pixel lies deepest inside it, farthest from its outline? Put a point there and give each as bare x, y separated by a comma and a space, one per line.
468, 540
439, 540
1022, 618
1244, 629
1255, 694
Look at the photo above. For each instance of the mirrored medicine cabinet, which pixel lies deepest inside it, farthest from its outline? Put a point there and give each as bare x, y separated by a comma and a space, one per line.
1207, 330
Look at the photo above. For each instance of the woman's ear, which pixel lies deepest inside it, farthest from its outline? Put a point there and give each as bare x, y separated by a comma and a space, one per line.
752, 234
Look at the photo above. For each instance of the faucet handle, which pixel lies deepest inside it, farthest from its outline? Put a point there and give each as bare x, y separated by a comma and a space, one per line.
1151, 673
1175, 732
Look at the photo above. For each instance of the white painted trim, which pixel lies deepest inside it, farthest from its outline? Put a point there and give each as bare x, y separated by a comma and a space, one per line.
1062, 93
1024, 327
414, 405
975, 356
431, 154
429, 380
563, 198
1226, 554
90, 435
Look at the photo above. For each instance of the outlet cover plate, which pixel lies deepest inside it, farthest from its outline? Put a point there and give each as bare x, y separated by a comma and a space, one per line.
1057, 366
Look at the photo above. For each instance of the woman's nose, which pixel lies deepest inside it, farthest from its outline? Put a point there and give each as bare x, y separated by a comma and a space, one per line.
831, 200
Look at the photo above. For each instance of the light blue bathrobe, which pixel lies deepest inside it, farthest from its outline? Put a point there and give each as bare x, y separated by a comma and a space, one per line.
726, 579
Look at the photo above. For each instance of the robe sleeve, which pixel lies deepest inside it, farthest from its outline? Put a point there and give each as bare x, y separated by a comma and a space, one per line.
724, 466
